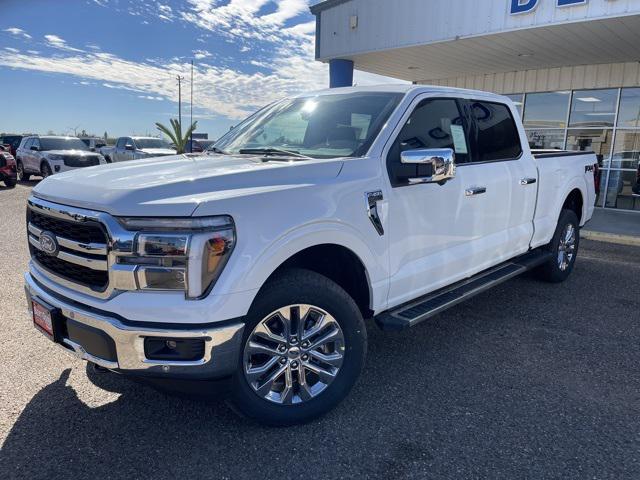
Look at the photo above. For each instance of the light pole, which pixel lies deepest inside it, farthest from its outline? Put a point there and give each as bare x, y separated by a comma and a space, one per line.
180, 101
191, 105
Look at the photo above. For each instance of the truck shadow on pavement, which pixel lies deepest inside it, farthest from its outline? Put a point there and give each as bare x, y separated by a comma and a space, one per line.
506, 385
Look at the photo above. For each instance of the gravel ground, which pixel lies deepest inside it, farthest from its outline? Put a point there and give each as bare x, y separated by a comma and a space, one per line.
530, 380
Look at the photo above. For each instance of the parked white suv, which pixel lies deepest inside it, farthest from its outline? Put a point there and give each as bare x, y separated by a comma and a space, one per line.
260, 262
46, 155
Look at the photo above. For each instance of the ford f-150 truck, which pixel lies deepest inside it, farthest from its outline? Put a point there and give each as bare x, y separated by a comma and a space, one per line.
260, 261
133, 148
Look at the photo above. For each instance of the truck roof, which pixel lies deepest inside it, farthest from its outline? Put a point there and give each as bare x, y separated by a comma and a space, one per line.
403, 88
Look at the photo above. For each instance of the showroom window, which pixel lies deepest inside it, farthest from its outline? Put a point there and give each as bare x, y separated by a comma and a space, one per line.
593, 108
546, 110
629, 115
605, 121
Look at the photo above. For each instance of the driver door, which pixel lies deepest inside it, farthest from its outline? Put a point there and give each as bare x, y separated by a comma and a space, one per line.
437, 230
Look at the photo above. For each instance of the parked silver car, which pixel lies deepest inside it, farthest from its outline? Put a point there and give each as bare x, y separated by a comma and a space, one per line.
47, 155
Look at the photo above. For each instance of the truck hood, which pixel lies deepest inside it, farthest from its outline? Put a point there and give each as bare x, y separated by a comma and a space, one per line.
158, 151
175, 186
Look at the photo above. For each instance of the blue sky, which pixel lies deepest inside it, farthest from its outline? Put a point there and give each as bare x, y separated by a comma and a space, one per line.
111, 65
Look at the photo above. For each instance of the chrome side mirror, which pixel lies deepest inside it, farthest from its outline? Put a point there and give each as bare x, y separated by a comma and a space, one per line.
434, 165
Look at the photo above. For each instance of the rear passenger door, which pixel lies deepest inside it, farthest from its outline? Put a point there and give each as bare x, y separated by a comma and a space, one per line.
497, 144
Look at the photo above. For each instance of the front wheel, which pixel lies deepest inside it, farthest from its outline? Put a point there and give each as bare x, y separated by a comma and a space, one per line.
563, 247
45, 170
21, 174
10, 183
303, 349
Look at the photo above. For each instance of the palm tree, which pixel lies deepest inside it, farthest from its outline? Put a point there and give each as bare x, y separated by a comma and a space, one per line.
175, 133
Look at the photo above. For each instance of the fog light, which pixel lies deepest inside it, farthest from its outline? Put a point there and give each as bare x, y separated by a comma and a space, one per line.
176, 349
57, 168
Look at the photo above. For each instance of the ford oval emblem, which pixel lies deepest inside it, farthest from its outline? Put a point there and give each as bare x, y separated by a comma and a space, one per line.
48, 243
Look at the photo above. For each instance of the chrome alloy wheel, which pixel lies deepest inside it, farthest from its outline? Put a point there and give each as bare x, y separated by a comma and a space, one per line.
566, 247
293, 354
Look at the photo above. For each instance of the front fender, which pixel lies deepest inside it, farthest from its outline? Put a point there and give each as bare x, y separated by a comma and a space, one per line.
251, 271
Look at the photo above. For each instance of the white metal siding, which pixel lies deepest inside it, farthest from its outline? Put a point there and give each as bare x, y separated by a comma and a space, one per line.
579, 77
389, 24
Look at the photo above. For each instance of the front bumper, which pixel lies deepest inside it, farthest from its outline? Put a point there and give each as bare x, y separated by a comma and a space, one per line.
222, 343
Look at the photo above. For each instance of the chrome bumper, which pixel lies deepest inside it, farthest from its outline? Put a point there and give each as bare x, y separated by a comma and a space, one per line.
222, 344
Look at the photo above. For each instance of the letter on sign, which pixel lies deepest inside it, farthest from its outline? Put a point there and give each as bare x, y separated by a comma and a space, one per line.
523, 6
568, 3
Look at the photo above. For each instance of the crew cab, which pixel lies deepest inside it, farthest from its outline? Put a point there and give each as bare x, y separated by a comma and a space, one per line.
46, 155
133, 148
259, 262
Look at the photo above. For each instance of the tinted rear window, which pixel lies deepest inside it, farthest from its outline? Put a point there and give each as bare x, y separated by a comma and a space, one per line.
497, 136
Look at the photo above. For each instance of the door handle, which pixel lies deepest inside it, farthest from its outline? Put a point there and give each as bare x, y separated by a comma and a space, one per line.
471, 191
527, 181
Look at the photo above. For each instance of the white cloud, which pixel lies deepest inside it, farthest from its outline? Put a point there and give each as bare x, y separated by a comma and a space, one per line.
57, 42
10, 49
200, 54
18, 32
217, 90
150, 97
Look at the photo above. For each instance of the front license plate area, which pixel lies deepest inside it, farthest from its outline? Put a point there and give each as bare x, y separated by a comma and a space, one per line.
44, 318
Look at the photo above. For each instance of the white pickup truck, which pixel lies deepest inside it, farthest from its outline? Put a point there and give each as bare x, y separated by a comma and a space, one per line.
134, 148
259, 263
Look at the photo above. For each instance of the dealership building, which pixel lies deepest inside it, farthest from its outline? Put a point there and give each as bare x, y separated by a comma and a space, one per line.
571, 66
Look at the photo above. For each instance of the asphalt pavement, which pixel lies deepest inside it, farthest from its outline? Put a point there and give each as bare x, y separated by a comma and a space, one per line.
529, 380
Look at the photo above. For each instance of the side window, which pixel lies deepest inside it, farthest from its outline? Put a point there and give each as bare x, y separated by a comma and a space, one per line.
497, 133
27, 143
433, 124
35, 143
129, 143
120, 143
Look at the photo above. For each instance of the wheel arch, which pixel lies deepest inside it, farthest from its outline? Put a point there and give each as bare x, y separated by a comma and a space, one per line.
575, 201
338, 263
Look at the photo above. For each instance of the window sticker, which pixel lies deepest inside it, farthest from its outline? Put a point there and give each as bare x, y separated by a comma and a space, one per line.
459, 140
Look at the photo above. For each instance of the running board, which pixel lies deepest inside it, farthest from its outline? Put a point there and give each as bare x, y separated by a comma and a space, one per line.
417, 311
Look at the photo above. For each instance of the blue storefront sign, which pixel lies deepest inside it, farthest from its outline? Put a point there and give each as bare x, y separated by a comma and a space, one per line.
526, 6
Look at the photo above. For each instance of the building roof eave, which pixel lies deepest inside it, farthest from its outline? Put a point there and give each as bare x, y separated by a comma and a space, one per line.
325, 5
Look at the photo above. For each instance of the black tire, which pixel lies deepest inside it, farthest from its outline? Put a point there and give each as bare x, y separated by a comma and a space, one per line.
107, 159
22, 175
297, 286
45, 170
10, 183
552, 271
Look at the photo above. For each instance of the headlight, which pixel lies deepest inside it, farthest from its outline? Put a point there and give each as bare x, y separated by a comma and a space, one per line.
53, 156
186, 254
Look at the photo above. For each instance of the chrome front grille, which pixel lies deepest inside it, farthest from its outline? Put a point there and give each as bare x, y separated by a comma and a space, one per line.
81, 161
75, 251
90, 249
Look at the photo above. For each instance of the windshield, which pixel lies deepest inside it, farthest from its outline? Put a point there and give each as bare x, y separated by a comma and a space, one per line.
62, 143
325, 126
151, 143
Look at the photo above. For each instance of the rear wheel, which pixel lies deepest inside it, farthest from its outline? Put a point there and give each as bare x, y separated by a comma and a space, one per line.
22, 175
303, 349
45, 170
10, 182
563, 247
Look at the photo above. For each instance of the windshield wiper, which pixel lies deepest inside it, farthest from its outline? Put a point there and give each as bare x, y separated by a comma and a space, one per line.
271, 151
